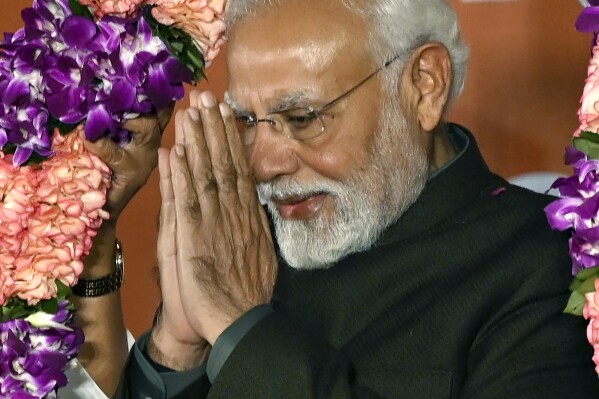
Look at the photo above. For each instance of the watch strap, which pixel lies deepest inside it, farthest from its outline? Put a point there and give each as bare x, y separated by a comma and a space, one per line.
90, 288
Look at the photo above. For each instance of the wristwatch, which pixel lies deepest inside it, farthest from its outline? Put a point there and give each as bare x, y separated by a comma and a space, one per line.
90, 288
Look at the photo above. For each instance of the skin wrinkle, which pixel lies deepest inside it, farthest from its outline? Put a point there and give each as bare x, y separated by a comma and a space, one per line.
192, 210
383, 165
287, 101
364, 204
332, 235
370, 165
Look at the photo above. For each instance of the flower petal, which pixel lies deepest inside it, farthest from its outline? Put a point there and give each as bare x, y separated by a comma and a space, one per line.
78, 31
122, 97
16, 90
21, 156
99, 122
588, 20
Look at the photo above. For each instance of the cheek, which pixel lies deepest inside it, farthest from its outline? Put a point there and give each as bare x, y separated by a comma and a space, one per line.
348, 152
350, 147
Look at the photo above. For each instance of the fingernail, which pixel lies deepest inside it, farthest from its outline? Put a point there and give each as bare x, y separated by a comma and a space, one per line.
179, 150
224, 109
208, 99
194, 114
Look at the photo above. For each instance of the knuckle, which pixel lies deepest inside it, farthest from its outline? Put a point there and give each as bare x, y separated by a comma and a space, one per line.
203, 268
112, 155
227, 182
191, 210
209, 186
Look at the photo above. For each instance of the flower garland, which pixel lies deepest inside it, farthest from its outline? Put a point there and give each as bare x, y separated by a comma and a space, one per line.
78, 69
577, 209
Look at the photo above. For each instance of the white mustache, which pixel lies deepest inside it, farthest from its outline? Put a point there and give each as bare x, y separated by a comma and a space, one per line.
271, 191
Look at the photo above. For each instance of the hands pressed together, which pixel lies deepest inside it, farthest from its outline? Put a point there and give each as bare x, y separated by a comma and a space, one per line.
215, 250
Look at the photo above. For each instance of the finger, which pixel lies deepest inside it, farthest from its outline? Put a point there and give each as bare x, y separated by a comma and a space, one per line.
167, 248
179, 136
145, 130
107, 150
194, 99
164, 115
245, 182
188, 216
198, 160
187, 207
166, 234
218, 148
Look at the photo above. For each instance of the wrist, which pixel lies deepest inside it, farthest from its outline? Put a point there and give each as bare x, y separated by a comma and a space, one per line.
100, 261
164, 349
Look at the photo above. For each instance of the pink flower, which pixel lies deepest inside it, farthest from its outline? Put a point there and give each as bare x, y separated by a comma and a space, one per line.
120, 8
33, 286
10, 245
588, 113
48, 217
203, 20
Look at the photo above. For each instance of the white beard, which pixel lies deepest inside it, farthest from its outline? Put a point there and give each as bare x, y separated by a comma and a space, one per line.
366, 203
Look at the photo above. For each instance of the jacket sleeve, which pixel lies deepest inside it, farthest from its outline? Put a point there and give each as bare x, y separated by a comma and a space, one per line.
141, 380
278, 360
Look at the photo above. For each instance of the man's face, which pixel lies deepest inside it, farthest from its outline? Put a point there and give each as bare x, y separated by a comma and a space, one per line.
334, 194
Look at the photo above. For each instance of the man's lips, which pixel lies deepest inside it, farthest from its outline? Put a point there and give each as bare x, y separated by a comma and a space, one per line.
298, 208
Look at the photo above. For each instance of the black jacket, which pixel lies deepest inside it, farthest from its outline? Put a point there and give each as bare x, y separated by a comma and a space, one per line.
462, 298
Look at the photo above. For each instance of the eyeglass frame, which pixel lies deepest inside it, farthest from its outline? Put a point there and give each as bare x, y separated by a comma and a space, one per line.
252, 120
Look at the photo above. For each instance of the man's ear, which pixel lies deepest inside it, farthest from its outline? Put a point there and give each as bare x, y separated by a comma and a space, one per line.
429, 77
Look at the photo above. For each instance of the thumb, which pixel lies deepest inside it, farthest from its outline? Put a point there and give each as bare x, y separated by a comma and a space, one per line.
164, 115
145, 130
106, 149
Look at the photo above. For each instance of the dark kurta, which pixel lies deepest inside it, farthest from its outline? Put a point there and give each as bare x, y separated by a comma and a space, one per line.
462, 298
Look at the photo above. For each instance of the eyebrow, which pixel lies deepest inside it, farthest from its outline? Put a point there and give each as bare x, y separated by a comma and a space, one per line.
286, 102
237, 109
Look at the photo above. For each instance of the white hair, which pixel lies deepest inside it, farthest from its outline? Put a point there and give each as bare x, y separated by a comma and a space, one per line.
397, 27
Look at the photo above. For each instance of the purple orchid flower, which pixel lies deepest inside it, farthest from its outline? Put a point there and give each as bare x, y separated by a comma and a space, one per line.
64, 67
578, 209
588, 20
34, 357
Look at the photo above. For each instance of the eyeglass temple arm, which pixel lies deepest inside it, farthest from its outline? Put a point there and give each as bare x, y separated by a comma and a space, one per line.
366, 79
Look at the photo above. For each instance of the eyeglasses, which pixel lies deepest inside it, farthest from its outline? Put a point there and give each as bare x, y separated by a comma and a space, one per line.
297, 123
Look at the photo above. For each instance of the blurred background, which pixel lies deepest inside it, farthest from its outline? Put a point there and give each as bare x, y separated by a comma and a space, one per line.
526, 76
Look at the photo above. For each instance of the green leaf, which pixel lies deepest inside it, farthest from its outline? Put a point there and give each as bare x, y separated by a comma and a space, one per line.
64, 291
575, 304
177, 46
586, 286
50, 305
179, 43
16, 309
593, 137
80, 10
585, 274
18, 313
586, 145
584, 281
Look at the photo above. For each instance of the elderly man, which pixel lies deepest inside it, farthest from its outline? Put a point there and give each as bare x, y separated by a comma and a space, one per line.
407, 269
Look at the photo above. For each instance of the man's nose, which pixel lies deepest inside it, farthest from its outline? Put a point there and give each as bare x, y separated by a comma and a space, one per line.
272, 155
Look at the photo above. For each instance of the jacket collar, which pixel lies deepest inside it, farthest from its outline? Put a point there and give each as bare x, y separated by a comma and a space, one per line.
461, 181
